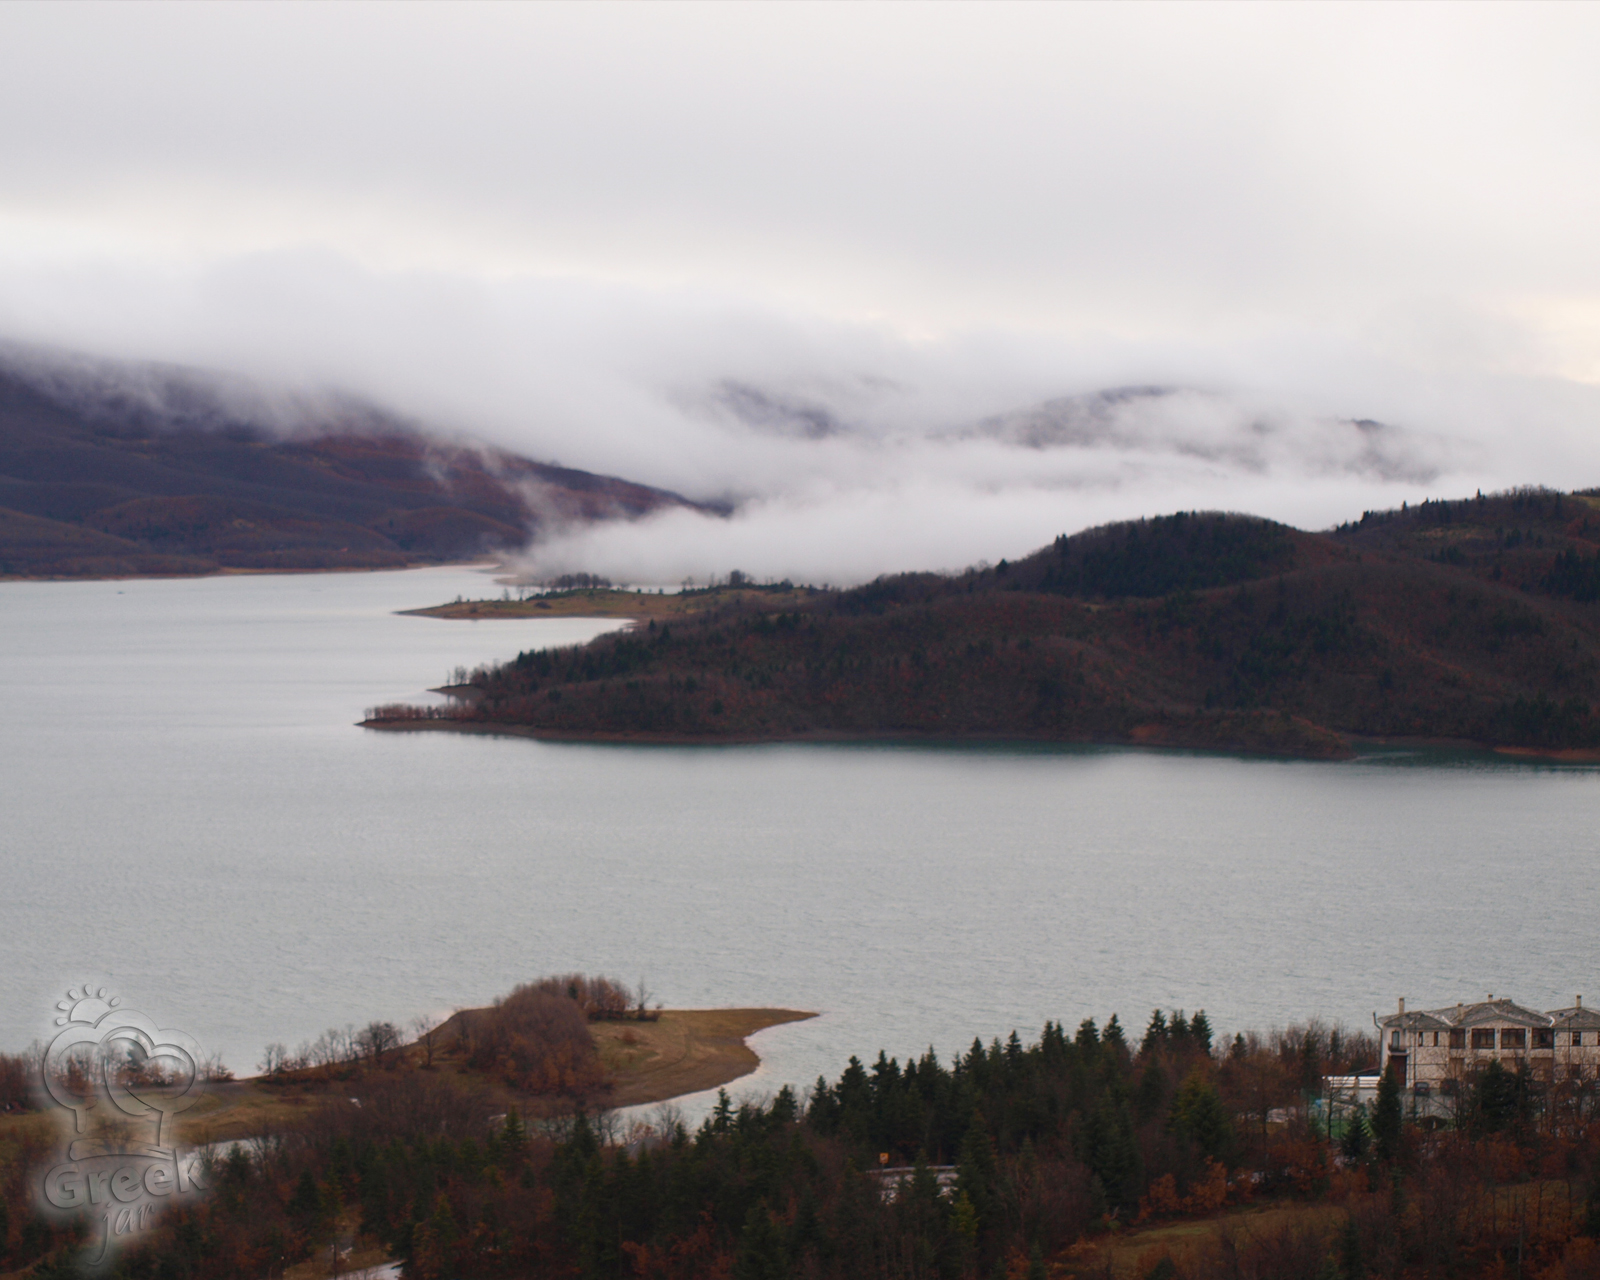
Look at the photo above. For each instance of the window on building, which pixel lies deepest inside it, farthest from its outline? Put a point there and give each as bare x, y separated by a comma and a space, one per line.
1577, 1039
1513, 1038
1483, 1038
1435, 1039
1394, 1039
1458, 1039
1543, 1039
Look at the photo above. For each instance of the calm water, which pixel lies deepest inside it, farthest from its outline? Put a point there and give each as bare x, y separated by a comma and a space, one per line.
190, 816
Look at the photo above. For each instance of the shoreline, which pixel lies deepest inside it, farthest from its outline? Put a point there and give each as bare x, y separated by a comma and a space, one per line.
820, 736
1532, 755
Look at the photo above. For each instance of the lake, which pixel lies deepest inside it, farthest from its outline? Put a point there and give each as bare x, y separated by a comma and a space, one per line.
191, 818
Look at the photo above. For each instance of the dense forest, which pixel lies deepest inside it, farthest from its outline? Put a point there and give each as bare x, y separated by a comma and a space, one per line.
1012, 1160
111, 470
1476, 621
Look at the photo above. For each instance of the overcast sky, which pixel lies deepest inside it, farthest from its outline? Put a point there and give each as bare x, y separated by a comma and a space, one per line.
810, 257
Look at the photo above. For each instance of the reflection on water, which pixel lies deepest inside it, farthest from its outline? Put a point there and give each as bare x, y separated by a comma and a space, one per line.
191, 816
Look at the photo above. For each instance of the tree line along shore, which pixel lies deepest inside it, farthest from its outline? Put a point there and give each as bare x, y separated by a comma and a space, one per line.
1472, 622
1094, 1152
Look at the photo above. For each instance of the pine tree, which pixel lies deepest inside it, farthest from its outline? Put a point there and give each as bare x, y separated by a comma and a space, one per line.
1111, 1152
784, 1109
1386, 1119
1199, 1115
513, 1135
1200, 1031
761, 1252
307, 1201
1355, 1142
1155, 1035
1152, 1092
978, 1169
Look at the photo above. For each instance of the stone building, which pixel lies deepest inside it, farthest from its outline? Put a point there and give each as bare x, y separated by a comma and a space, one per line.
1434, 1050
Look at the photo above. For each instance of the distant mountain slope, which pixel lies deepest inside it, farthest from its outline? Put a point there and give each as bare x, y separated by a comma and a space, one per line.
178, 476
1476, 622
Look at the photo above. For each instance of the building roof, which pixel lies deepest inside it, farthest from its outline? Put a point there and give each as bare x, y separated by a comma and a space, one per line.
1478, 1014
1577, 1018
1419, 1020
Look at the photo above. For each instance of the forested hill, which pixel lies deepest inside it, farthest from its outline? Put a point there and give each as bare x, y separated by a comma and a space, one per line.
1476, 621
125, 470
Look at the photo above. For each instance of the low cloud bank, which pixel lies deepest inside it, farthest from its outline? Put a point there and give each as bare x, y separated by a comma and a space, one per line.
844, 449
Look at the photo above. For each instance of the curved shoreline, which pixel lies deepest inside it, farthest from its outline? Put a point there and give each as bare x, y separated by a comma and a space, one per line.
682, 1052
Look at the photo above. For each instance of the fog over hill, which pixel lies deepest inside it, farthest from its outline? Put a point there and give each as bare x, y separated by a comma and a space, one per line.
930, 465
115, 468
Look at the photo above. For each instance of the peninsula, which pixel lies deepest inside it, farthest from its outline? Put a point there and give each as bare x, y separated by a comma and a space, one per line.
1473, 621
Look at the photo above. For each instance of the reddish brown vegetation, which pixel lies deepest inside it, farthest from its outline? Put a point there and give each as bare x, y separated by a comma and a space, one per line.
1444, 622
537, 1040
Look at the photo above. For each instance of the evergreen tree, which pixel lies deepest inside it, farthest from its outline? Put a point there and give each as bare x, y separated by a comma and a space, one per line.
1155, 1035
1355, 1143
784, 1109
1152, 1093
1386, 1119
1200, 1031
513, 1135
978, 1169
307, 1200
1497, 1100
1199, 1115
761, 1252
1111, 1152
1310, 1064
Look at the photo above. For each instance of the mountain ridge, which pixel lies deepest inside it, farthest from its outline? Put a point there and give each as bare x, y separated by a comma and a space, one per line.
165, 473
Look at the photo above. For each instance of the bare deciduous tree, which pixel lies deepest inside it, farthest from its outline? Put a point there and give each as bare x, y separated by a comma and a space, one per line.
274, 1059
424, 1026
376, 1039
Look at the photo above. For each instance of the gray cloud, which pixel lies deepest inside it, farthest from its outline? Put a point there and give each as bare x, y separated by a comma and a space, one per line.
910, 287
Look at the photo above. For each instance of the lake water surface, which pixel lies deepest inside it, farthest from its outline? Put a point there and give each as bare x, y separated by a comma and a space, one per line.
188, 815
